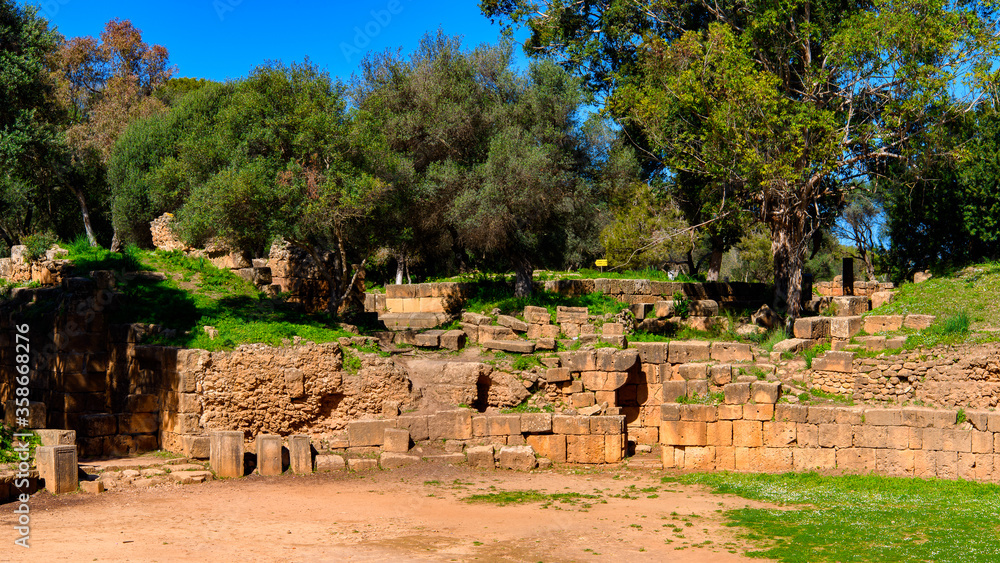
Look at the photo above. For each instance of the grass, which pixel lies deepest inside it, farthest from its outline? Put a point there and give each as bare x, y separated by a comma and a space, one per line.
863, 518
809, 354
503, 498
970, 289
196, 294
489, 295
7, 453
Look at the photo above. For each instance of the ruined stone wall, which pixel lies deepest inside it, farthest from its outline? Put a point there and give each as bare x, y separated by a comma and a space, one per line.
919, 442
836, 288
47, 270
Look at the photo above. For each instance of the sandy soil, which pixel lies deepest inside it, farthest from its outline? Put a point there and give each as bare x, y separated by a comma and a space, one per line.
410, 514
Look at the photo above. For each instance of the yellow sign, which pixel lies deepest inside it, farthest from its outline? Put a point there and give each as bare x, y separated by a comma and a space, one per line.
601, 263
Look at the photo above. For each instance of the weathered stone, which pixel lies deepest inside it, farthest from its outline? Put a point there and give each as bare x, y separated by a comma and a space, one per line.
731, 352
300, 454
269, 454
429, 339
812, 328
57, 467
480, 456
918, 322
514, 346
450, 425
512, 323
765, 391
651, 352
56, 437
585, 449
681, 351
673, 390
393, 460
683, 433
362, 464
845, 327
453, 339
883, 323
603, 381
520, 458
226, 453
551, 446
367, 432
737, 393
330, 462
557, 375
834, 361
536, 422
397, 440
850, 306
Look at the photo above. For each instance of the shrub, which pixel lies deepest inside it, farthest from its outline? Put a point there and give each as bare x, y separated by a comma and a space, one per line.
38, 243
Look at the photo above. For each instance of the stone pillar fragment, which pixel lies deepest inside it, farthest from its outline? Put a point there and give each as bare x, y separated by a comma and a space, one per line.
226, 453
269, 454
300, 454
57, 466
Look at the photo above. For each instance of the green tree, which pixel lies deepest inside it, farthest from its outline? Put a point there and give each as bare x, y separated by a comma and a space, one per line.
492, 161
266, 157
782, 104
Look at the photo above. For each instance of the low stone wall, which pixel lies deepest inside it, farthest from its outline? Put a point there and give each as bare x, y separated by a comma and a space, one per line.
444, 297
836, 288
47, 270
918, 442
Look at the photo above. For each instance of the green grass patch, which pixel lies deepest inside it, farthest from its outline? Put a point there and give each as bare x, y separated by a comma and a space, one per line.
7, 453
504, 498
864, 518
971, 289
489, 295
809, 354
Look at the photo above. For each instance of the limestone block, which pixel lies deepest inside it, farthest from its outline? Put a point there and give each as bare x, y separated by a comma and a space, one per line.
651, 352
556, 375
779, 434
792, 345
142, 403
672, 411
790, 413
536, 422
397, 440
673, 390
514, 346
845, 327
226, 453
697, 388
416, 425
551, 446
537, 315
393, 460
519, 458
680, 351
699, 413
918, 322
850, 306
811, 328
693, 371
765, 391
603, 380
503, 424
450, 425
607, 424
582, 400
367, 432
684, 433
300, 454
565, 424
269, 454
856, 460
512, 323
731, 352
453, 339
758, 412
99, 425
748, 433
576, 315
362, 464
56, 437
57, 467
883, 417
612, 360
840, 362
883, 323
330, 462
480, 456
720, 433
428, 339
737, 393
195, 447
585, 449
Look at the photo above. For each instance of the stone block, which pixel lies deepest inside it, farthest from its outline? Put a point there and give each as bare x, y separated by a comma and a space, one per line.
609, 425
536, 422
51, 437
416, 425
699, 413
196, 447
848, 415
821, 415
585, 449
684, 433
397, 440
880, 298
565, 424
58, 468
330, 462
269, 454
651, 352
480, 456
612, 360
731, 352
720, 433
758, 411
450, 425
807, 435
537, 315
551, 446
518, 458
362, 464
582, 400
603, 380
748, 433
699, 458
673, 390
557, 375
866, 436
99, 425
883, 323
575, 315
92, 487
503, 424
835, 436
812, 459
856, 460
300, 454
512, 323
737, 393
693, 371
730, 412
779, 434
790, 413
514, 346
142, 403
720, 374
453, 339
811, 328
982, 442
672, 411
226, 453
682, 352
884, 417
393, 460
840, 362
845, 327
918, 322
367, 432
894, 463
765, 391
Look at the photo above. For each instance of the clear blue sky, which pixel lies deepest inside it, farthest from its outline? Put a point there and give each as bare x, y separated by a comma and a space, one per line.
221, 39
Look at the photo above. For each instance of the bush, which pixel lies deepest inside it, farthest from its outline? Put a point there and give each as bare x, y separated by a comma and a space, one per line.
39, 243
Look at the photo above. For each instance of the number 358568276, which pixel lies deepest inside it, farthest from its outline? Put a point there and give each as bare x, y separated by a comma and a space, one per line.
21, 358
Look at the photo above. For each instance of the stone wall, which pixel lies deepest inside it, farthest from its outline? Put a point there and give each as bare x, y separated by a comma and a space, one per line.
748, 436
836, 288
47, 270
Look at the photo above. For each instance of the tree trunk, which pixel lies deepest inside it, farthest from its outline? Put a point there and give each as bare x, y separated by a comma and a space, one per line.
116, 242
788, 245
400, 266
714, 264
86, 217
692, 267
522, 277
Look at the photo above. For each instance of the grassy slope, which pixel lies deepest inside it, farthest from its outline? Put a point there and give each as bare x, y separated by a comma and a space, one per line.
196, 294
864, 518
974, 290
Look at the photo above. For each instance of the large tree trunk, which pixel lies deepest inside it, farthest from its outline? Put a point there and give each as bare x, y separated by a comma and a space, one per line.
400, 267
714, 264
522, 277
86, 217
788, 245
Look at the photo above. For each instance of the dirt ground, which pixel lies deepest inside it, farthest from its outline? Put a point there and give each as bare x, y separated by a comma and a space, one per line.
417, 513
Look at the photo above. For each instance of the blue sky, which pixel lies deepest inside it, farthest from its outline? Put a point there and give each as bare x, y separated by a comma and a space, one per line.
221, 39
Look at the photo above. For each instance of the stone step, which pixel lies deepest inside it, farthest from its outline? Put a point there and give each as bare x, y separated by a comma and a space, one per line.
516, 346
405, 321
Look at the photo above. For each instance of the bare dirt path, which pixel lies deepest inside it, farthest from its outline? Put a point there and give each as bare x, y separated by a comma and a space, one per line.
409, 514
